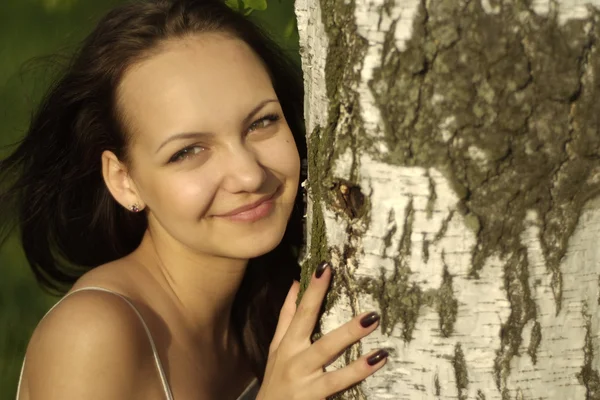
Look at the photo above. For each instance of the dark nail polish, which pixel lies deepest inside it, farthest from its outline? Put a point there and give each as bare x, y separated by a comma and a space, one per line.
369, 319
377, 357
321, 268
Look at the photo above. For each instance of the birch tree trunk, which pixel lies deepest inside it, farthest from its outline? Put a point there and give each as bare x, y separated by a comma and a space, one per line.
454, 165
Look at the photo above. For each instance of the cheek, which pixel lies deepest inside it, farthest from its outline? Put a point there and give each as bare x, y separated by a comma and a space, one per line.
282, 156
181, 192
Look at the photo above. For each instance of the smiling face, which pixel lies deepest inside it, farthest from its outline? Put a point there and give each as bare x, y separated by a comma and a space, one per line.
209, 144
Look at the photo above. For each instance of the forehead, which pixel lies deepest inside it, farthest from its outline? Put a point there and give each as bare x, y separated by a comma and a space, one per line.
196, 75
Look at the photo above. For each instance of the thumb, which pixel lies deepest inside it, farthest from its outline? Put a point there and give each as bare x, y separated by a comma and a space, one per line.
288, 310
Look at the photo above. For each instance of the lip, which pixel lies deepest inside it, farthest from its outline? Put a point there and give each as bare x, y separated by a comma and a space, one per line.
250, 206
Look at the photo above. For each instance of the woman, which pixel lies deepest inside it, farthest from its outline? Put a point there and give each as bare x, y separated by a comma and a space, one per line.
160, 179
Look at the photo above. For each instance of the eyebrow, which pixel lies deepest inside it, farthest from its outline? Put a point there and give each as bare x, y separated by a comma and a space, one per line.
191, 135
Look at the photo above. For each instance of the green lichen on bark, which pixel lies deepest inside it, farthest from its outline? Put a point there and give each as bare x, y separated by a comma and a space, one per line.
588, 376
503, 105
461, 375
319, 154
344, 126
318, 250
346, 49
398, 300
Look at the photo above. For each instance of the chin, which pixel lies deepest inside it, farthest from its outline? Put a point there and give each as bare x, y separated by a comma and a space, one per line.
256, 248
251, 246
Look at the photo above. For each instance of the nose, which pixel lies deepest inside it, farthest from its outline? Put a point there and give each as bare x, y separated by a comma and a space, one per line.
242, 171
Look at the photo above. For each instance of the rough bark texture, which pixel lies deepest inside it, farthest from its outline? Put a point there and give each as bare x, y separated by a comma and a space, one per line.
453, 173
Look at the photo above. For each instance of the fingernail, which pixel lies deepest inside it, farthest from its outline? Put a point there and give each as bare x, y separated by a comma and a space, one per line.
369, 319
377, 357
321, 268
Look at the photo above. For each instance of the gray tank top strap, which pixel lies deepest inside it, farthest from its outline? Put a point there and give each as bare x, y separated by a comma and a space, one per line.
250, 392
161, 372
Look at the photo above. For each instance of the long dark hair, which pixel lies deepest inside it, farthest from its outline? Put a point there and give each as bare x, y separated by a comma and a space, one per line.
51, 186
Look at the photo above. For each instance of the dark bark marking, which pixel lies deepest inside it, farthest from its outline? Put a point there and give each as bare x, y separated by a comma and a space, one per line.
432, 196
447, 305
589, 377
534, 341
444, 228
523, 310
598, 290
460, 372
399, 300
387, 239
425, 248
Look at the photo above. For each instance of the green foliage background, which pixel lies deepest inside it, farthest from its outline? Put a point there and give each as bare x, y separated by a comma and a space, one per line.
30, 30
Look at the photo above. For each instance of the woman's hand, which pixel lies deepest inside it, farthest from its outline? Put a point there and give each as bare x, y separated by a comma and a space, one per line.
295, 366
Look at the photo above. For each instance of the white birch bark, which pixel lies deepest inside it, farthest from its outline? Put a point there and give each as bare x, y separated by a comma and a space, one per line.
422, 202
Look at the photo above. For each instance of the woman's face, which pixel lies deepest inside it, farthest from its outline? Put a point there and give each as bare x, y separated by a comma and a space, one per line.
208, 138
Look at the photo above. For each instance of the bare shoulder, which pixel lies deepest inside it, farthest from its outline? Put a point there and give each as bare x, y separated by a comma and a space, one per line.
92, 345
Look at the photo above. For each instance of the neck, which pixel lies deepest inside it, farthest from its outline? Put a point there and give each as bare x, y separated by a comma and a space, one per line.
201, 287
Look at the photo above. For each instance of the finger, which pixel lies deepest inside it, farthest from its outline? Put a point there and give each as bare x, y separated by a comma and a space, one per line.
308, 310
331, 346
285, 315
336, 381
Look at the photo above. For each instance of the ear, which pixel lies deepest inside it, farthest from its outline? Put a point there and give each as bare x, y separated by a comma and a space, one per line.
119, 182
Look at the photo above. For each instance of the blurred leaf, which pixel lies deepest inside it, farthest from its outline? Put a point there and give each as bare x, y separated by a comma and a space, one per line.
247, 6
234, 4
290, 28
260, 5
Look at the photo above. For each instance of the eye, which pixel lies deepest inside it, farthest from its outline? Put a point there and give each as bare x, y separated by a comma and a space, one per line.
185, 153
263, 122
